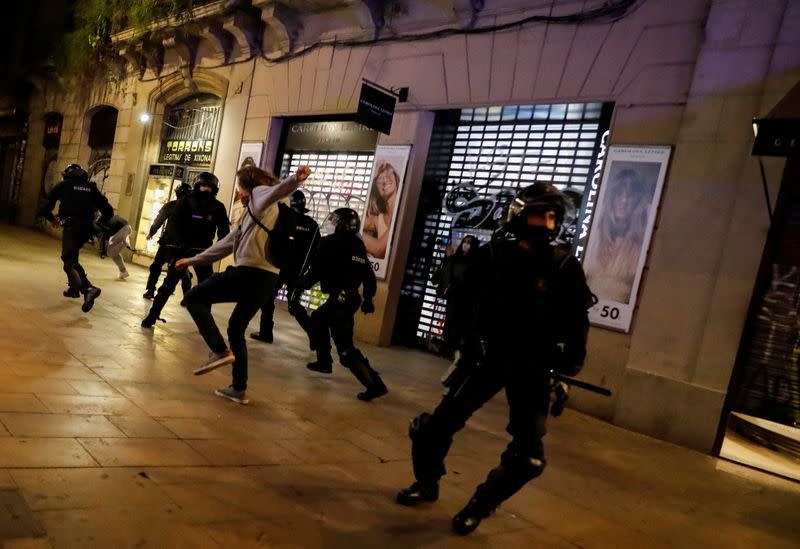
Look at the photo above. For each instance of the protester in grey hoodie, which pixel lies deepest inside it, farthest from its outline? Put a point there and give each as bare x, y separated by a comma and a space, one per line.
248, 282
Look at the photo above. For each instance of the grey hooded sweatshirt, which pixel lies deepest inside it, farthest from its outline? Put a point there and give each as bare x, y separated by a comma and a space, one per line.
248, 240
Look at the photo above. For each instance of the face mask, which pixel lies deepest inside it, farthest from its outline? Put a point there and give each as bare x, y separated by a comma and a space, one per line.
327, 228
465, 248
537, 235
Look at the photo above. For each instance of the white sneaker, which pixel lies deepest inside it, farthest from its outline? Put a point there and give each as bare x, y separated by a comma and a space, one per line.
215, 360
123, 275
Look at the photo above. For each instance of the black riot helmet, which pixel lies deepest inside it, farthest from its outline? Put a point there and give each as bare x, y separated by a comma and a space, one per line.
341, 220
540, 197
74, 171
298, 201
182, 190
208, 179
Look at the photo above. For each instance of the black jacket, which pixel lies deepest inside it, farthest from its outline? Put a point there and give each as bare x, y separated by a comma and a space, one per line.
79, 200
525, 303
305, 238
163, 216
197, 216
341, 265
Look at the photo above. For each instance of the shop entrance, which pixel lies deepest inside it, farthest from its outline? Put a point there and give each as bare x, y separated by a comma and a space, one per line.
761, 421
162, 180
340, 153
477, 161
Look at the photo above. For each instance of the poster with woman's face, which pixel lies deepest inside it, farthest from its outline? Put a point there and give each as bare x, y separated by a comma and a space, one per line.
379, 217
620, 233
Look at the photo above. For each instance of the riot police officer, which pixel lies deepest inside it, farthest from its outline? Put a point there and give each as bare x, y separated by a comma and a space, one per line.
528, 316
163, 252
197, 216
79, 199
305, 237
341, 266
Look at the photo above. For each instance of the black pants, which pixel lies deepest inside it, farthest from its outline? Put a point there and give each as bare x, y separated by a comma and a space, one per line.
245, 286
76, 234
528, 395
268, 308
457, 317
174, 276
334, 319
162, 257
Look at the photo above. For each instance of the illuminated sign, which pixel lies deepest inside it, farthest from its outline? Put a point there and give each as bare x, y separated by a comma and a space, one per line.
589, 199
194, 152
52, 131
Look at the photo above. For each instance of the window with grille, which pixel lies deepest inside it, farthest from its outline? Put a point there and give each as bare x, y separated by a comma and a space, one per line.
479, 158
340, 180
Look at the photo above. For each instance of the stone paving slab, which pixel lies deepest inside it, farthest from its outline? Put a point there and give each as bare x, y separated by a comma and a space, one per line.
58, 425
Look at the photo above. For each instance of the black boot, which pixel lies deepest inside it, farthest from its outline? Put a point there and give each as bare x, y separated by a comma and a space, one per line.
320, 366
149, 294
470, 517
266, 337
378, 389
358, 364
88, 298
418, 493
72, 292
150, 320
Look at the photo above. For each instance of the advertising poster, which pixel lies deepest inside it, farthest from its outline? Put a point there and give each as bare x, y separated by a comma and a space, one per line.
620, 232
380, 215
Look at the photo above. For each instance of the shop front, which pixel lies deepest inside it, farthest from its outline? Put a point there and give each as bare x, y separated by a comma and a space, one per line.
477, 161
340, 153
760, 424
186, 148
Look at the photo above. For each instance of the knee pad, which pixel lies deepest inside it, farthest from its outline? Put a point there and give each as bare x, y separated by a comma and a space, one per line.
352, 356
525, 466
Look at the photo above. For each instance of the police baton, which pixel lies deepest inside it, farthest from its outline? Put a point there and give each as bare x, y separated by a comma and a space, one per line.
556, 377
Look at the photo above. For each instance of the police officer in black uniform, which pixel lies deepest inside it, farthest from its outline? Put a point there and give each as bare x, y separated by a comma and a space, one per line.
305, 237
192, 225
163, 252
341, 266
528, 317
79, 198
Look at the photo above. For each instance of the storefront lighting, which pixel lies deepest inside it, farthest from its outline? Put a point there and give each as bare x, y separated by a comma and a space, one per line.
144, 118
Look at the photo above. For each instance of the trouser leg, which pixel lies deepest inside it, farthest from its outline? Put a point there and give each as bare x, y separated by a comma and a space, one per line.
299, 313
240, 285
243, 313
73, 239
155, 268
320, 333
120, 263
166, 289
432, 434
341, 326
523, 459
266, 322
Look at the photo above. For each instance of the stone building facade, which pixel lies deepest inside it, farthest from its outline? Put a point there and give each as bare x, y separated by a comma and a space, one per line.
690, 74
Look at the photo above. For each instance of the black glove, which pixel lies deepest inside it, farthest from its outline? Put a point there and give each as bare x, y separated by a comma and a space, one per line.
367, 307
563, 365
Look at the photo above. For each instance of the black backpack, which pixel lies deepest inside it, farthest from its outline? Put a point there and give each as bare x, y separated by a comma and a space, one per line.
279, 249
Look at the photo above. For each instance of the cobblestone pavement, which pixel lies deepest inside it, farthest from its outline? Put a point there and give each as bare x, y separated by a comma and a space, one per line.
107, 440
